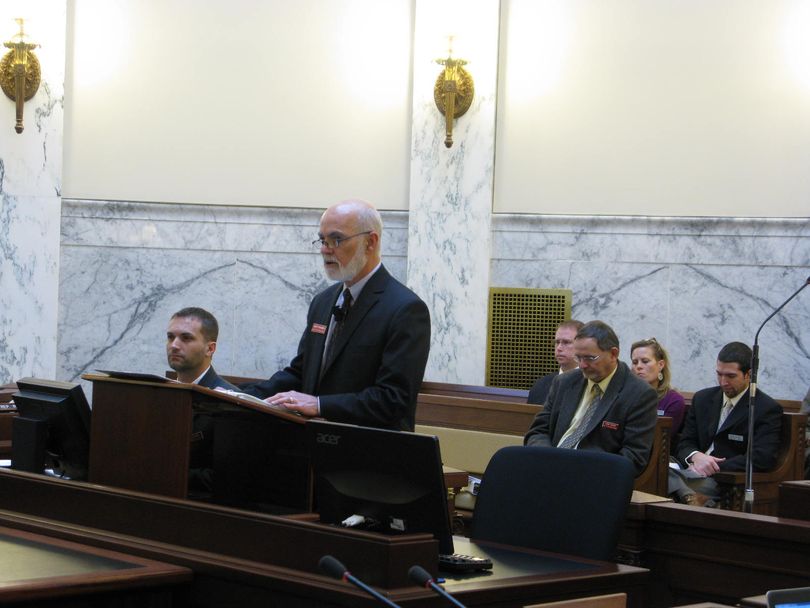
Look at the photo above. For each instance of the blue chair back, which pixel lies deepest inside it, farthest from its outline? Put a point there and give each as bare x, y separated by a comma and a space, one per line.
553, 499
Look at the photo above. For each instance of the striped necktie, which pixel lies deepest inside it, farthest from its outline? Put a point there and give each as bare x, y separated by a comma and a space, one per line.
576, 436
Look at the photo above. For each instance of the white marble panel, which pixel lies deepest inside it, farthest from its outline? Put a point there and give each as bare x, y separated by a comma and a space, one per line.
126, 267
693, 284
451, 198
29, 267
30, 186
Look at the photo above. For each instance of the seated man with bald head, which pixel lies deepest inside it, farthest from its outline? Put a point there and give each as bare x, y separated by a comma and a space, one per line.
365, 346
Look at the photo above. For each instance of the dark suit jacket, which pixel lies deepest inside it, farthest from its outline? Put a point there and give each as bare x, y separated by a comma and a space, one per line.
731, 441
212, 380
201, 456
539, 392
624, 423
379, 359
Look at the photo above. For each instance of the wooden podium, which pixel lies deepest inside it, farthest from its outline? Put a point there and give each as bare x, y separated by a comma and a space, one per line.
141, 434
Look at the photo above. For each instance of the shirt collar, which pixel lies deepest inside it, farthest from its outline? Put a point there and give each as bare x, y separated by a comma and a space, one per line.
604, 382
200, 377
357, 287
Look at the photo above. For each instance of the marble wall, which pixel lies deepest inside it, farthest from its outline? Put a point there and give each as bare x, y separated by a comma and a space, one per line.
693, 284
30, 191
126, 267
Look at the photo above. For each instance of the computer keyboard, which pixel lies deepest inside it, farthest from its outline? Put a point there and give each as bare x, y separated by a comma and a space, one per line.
456, 562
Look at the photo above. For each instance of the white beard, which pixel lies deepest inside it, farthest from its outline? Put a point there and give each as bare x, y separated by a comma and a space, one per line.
350, 270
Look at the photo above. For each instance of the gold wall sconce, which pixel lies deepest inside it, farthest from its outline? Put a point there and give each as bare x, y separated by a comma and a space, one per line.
453, 91
19, 72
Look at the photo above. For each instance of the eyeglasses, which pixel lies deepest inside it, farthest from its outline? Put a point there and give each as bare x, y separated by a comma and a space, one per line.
334, 242
586, 358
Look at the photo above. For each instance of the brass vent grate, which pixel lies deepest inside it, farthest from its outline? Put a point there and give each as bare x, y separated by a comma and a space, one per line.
520, 336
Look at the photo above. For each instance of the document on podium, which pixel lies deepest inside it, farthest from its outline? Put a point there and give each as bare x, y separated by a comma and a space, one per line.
136, 376
256, 401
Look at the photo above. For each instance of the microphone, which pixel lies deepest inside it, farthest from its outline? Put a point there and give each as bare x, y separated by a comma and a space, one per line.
334, 568
422, 577
748, 503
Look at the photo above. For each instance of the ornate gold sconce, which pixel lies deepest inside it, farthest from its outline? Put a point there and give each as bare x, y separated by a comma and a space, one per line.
453, 91
19, 72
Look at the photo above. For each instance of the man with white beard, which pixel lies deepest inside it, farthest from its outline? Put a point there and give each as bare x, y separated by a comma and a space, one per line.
365, 346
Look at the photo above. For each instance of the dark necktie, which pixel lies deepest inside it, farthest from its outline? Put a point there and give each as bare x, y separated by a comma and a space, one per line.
340, 313
578, 433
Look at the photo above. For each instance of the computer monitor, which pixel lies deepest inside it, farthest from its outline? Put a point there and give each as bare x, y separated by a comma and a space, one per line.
52, 429
788, 598
394, 479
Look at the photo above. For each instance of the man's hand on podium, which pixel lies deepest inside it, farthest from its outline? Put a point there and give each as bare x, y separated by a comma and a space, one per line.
306, 405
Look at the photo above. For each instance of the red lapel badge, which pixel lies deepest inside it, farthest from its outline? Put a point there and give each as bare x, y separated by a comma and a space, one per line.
317, 328
613, 426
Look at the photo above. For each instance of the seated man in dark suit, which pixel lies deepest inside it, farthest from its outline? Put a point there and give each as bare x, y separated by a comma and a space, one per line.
364, 350
715, 432
601, 406
191, 341
563, 353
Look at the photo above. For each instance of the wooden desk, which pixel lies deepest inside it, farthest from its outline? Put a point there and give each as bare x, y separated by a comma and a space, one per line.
794, 499
698, 554
37, 567
758, 601
266, 560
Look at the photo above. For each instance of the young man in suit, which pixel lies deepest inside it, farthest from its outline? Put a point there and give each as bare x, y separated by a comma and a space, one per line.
600, 406
715, 432
191, 341
563, 353
364, 350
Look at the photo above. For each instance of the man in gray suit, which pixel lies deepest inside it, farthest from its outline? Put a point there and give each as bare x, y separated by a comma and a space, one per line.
599, 406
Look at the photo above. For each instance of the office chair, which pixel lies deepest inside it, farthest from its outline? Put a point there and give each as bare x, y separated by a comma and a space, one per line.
553, 499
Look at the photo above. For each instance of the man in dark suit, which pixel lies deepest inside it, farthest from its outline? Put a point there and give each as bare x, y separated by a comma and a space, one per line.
191, 341
365, 346
563, 353
715, 432
600, 406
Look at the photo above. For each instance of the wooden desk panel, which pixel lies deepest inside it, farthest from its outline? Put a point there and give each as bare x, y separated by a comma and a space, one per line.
37, 567
266, 560
794, 499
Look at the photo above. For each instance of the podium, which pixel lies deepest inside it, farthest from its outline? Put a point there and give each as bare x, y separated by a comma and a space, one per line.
141, 433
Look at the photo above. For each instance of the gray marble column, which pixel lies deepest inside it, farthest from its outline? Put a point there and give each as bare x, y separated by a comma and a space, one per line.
30, 204
451, 192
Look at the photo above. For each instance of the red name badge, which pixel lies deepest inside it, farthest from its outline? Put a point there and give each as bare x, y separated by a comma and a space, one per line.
613, 426
317, 328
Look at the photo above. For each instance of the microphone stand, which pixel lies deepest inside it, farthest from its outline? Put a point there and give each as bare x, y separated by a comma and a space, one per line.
748, 504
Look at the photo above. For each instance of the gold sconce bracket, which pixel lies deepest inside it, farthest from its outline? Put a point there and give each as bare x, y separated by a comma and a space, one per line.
453, 93
464, 90
32, 76
19, 72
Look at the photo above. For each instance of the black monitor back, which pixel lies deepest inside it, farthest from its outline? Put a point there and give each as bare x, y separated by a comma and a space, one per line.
393, 478
53, 427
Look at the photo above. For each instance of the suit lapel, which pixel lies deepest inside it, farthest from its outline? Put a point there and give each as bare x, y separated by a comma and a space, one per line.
368, 298
607, 400
737, 414
321, 316
569, 406
713, 417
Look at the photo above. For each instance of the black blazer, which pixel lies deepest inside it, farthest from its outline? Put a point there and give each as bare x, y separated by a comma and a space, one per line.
212, 380
731, 441
379, 360
539, 392
201, 455
624, 423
